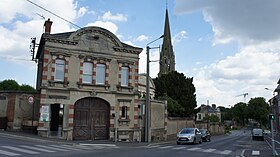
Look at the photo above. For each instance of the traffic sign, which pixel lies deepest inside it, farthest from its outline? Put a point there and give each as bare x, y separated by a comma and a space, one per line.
31, 99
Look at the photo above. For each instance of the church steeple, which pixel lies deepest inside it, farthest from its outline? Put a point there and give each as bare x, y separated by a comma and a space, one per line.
167, 58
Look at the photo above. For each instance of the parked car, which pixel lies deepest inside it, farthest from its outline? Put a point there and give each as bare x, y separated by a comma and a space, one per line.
205, 135
266, 132
257, 134
189, 135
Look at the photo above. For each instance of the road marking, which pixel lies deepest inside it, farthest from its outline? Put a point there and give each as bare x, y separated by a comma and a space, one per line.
20, 150
8, 153
64, 147
155, 146
177, 148
165, 147
193, 149
209, 150
107, 145
52, 148
35, 148
255, 152
226, 152
79, 147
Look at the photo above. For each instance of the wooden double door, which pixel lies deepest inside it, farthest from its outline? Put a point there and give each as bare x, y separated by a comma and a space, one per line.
91, 119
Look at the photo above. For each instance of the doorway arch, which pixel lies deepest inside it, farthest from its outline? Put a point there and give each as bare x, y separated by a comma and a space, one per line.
91, 119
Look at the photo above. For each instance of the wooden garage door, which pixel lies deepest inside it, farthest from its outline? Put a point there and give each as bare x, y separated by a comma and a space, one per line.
91, 119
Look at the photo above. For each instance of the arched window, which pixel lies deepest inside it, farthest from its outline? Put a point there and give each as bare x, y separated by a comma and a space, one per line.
59, 70
100, 73
87, 72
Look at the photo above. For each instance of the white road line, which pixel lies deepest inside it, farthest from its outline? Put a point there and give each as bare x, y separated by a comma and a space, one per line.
177, 148
20, 150
104, 145
79, 147
155, 146
193, 149
165, 147
53, 148
255, 152
8, 153
226, 152
209, 150
36, 148
64, 147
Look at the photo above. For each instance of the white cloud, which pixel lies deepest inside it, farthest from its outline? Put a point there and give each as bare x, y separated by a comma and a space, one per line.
179, 36
82, 11
110, 17
107, 25
142, 38
245, 21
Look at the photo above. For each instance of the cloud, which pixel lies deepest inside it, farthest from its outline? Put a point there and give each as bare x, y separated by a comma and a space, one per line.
244, 21
179, 36
107, 25
142, 38
82, 11
110, 17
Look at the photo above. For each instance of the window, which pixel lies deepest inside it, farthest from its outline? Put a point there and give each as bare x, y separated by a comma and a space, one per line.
124, 76
59, 70
199, 116
124, 112
87, 72
100, 73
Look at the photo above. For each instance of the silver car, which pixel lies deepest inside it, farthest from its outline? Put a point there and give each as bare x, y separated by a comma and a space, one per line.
189, 135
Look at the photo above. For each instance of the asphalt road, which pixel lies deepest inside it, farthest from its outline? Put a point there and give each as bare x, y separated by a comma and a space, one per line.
238, 143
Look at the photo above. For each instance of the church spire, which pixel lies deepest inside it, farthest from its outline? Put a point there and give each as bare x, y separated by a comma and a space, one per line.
167, 58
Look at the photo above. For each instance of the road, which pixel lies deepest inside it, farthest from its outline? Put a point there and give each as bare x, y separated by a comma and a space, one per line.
238, 143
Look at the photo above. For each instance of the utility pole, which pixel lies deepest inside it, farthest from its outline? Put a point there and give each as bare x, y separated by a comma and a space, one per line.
148, 105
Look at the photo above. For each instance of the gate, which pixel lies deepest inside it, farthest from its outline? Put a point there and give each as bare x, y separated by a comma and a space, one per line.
91, 119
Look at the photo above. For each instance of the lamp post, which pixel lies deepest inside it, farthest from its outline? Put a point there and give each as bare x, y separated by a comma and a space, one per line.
148, 107
272, 124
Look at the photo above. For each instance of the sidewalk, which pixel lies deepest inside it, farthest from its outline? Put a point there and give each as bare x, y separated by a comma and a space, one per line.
35, 137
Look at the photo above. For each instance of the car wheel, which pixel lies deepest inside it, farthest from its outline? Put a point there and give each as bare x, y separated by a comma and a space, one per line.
178, 143
194, 140
209, 139
200, 141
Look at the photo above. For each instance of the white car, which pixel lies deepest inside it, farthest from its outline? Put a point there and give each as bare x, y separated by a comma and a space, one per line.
257, 134
189, 135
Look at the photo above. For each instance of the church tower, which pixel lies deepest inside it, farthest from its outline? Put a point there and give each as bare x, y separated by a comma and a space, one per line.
167, 57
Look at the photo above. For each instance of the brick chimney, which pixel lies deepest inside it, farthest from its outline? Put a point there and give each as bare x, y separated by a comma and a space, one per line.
48, 26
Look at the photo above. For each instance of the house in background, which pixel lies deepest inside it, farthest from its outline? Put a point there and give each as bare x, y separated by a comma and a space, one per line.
207, 110
88, 84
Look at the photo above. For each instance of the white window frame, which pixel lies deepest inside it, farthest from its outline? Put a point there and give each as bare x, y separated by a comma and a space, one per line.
59, 70
124, 112
100, 74
124, 76
87, 72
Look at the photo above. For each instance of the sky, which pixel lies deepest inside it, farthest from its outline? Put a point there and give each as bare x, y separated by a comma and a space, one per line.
229, 47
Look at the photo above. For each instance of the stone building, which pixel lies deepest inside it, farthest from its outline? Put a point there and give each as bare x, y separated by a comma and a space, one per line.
19, 110
88, 83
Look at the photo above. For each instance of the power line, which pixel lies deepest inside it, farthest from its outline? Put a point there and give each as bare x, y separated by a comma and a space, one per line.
53, 14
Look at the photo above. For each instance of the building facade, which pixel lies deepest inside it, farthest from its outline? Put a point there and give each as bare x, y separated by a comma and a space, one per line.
88, 83
207, 110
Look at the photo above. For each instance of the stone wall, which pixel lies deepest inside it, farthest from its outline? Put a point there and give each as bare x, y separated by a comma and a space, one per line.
174, 125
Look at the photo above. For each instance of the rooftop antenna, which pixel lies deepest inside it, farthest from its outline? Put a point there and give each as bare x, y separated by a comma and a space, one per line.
166, 4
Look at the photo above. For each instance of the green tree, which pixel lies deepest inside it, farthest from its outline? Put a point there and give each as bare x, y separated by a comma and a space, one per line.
13, 85
226, 113
26, 87
211, 118
240, 112
258, 110
9, 85
179, 88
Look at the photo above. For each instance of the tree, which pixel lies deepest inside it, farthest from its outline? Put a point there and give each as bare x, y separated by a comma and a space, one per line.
13, 85
26, 87
258, 110
9, 85
240, 112
176, 86
211, 118
226, 113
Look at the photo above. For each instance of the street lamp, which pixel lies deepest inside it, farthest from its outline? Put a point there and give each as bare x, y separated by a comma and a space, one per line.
148, 110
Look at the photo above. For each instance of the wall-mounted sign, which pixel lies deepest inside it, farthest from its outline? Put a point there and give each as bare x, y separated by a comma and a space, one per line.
31, 99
